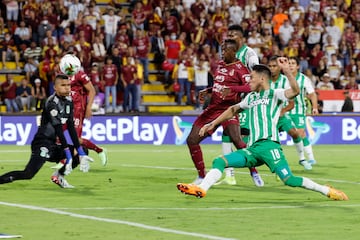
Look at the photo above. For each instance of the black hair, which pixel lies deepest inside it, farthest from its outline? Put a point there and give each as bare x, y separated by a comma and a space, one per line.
263, 69
62, 76
296, 59
273, 58
231, 42
237, 28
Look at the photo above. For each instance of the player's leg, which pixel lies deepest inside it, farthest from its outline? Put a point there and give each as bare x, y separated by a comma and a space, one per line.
219, 164
229, 172
233, 131
193, 143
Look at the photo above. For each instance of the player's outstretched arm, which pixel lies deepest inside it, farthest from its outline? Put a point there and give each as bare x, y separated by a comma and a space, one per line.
227, 114
294, 90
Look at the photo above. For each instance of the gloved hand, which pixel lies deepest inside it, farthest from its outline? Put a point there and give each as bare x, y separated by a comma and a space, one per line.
84, 160
68, 163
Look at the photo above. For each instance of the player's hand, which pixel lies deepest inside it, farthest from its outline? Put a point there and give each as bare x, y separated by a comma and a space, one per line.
225, 91
206, 128
315, 111
202, 95
68, 167
85, 163
283, 63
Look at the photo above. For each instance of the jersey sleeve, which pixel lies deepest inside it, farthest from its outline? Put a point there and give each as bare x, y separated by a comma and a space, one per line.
308, 86
244, 104
252, 58
280, 94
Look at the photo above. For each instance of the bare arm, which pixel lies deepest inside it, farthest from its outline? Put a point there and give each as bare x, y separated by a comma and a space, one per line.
313, 99
91, 95
294, 90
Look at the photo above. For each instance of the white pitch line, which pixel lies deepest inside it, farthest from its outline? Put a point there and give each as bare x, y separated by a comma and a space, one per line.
206, 209
109, 220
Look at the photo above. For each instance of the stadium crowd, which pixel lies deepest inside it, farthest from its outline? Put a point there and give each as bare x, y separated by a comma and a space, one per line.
184, 36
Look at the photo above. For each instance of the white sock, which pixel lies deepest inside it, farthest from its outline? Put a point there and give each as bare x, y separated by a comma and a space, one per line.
300, 150
226, 148
311, 185
211, 178
309, 152
229, 172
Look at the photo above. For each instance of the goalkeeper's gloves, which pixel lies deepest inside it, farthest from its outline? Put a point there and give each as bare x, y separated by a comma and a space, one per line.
84, 160
68, 163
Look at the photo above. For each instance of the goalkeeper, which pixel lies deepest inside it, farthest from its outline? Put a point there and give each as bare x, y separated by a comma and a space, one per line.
49, 143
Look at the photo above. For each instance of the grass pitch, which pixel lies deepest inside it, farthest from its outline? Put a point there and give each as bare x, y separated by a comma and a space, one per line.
135, 197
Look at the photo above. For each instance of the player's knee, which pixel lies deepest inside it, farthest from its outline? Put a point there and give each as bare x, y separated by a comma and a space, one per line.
293, 133
293, 181
219, 163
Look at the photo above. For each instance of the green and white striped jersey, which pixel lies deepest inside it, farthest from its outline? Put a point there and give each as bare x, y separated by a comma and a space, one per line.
305, 88
281, 82
264, 110
247, 56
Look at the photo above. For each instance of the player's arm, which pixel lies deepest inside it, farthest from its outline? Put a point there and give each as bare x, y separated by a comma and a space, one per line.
294, 90
71, 129
314, 103
227, 114
90, 99
289, 106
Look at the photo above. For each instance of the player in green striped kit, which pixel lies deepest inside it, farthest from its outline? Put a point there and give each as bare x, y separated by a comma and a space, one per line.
264, 106
249, 58
285, 123
298, 113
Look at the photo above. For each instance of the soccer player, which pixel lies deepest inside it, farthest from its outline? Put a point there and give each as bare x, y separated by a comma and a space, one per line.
83, 94
57, 112
298, 113
264, 105
285, 123
249, 58
230, 74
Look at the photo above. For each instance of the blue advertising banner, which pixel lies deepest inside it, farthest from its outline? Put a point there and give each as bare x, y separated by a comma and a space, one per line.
158, 130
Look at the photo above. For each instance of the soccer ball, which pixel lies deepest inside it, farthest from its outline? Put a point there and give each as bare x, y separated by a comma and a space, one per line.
70, 64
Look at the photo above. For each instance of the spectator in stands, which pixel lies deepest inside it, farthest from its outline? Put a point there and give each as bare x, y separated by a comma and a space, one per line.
22, 36
314, 80
23, 96
278, 20
352, 84
330, 47
75, 8
33, 51
28, 7
197, 34
236, 13
184, 76
12, 12
128, 77
98, 51
33, 22
285, 33
84, 51
316, 54
314, 33
296, 11
344, 52
8, 88
110, 23
31, 68
335, 69
87, 30
325, 83
39, 95
173, 49
110, 76
348, 105
171, 24
99, 85
138, 16
9, 51
142, 46
67, 37
92, 17
201, 71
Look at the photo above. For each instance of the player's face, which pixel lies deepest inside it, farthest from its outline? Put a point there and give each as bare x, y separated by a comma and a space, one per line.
237, 36
274, 68
228, 53
62, 87
293, 66
255, 81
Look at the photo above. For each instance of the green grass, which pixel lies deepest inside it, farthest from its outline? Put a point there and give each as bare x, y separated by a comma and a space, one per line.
135, 197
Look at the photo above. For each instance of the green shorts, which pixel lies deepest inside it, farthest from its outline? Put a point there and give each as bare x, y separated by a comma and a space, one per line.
298, 120
285, 123
261, 152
